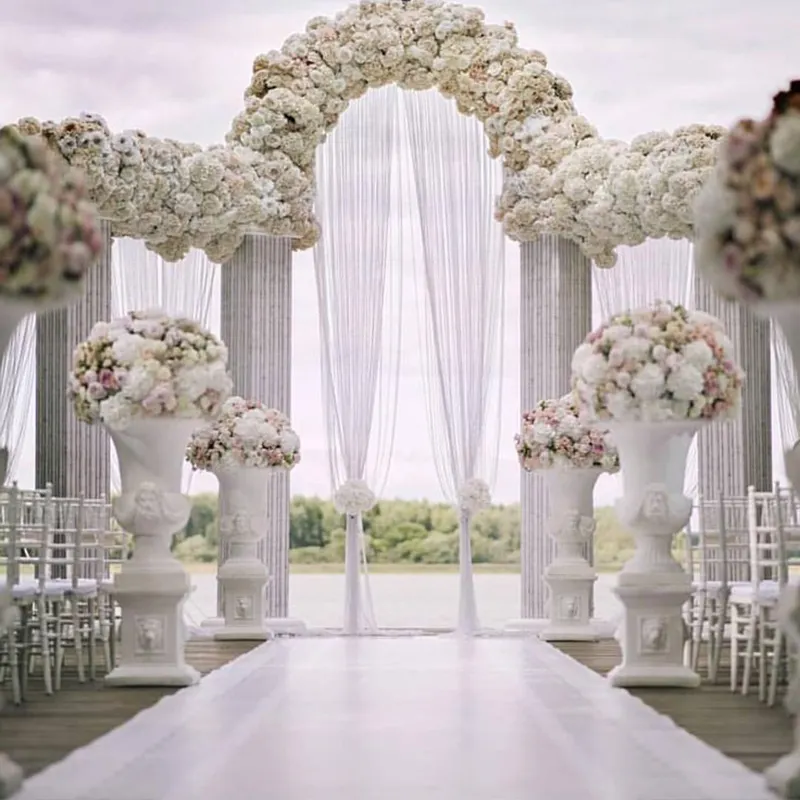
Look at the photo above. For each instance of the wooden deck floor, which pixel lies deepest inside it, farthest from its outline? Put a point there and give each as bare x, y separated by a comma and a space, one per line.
43, 730
741, 727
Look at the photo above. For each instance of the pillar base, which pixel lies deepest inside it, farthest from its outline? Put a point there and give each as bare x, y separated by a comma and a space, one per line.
281, 626
638, 675
11, 776
783, 776
153, 675
600, 629
233, 633
569, 633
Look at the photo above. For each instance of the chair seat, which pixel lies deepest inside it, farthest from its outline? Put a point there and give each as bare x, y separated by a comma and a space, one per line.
83, 587
26, 589
766, 592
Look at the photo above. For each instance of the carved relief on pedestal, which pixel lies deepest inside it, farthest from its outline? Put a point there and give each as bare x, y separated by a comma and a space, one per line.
653, 635
243, 608
569, 607
150, 632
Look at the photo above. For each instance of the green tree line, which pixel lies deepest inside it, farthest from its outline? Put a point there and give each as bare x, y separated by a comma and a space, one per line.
398, 532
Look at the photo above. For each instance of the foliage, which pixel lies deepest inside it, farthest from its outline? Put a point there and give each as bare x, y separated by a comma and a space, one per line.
398, 532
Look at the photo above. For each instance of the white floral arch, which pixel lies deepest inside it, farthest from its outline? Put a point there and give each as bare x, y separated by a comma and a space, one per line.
561, 177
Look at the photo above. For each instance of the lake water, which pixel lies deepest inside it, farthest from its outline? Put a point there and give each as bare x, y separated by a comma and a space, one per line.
401, 601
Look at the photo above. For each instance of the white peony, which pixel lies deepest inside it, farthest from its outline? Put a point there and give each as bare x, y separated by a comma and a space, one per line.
594, 369
698, 354
685, 383
648, 383
127, 348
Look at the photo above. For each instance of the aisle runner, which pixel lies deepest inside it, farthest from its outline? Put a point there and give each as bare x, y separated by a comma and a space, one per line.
399, 719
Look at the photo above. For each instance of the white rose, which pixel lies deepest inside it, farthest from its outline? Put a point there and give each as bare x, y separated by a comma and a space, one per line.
290, 441
636, 348
685, 382
616, 333
583, 352
128, 348
619, 404
269, 435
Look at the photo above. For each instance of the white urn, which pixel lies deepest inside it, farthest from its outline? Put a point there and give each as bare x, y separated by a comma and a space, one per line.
152, 585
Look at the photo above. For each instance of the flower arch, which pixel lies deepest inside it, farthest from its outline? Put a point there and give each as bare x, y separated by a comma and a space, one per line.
561, 176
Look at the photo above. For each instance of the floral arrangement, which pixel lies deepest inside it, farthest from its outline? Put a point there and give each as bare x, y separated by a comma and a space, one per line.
245, 434
663, 363
148, 364
354, 497
177, 196
474, 496
49, 234
553, 436
748, 215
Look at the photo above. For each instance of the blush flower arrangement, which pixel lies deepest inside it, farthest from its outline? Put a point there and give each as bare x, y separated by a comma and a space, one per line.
747, 217
245, 434
553, 436
49, 232
658, 364
148, 364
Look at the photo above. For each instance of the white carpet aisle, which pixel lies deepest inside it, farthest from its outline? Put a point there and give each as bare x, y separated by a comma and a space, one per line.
399, 719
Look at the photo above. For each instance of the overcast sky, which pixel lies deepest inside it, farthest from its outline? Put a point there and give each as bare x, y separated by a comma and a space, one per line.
179, 70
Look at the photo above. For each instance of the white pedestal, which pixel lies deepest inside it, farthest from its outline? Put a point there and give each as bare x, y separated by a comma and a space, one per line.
244, 582
152, 641
653, 632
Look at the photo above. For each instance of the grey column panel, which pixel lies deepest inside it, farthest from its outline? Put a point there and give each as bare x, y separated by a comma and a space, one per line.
737, 454
257, 328
555, 316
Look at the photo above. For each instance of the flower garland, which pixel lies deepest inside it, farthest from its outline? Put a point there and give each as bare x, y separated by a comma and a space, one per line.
177, 196
49, 234
474, 496
662, 363
554, 437
246, 434
748, 215
148, 364
561, 178
353, 498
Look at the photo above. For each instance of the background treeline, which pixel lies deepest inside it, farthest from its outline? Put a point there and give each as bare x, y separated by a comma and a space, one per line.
398, 532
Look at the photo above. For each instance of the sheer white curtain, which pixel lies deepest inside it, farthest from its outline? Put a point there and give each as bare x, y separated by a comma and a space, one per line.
17, 373
141, 279
359, 312
658, 269
464, 277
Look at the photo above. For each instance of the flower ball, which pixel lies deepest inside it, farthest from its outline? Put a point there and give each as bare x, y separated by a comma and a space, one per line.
658, 364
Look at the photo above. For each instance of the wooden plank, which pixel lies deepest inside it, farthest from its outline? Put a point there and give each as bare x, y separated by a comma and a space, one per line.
739, 726
43, 730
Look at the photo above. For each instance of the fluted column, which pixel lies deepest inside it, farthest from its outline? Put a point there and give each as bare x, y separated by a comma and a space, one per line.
555, 316
71, 455
257, 328
735, 455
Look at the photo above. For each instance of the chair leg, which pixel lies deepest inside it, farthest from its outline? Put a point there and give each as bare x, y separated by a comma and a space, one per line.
750, 651
721, 611
762, 665
13, 666
697, 630
44, 645
776, 665
734, 648
91, 615
77, 638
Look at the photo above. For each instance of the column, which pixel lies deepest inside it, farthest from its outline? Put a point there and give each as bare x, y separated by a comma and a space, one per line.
735, 455
72, 456
257, 328
555, 316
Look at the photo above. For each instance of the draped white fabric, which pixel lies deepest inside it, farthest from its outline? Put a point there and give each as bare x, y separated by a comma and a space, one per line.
658, 269
464, 278
140, 279
787, 391
17, 374
359, 311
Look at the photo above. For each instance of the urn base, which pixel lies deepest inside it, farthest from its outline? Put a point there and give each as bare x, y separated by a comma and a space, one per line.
783, 776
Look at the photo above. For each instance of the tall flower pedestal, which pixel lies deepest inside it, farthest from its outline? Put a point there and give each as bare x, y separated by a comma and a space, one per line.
570, 577
243, 576
152, 586
652, 586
